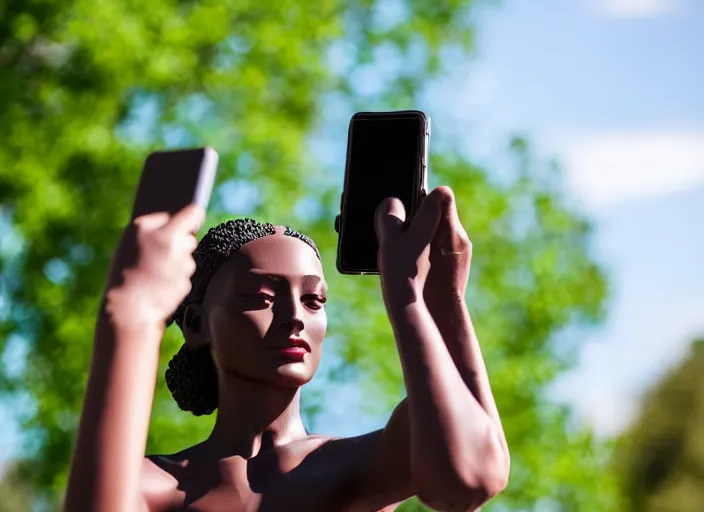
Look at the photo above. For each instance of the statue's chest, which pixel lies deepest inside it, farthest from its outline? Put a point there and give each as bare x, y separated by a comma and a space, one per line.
287, 484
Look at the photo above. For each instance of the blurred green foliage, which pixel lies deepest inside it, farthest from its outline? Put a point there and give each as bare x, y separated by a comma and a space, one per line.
87, 88
661, 457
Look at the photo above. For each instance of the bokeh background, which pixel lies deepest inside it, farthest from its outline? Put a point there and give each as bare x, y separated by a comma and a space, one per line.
572, 132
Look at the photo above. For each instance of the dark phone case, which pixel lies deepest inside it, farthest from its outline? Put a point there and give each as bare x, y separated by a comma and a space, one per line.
420, 180
171, 180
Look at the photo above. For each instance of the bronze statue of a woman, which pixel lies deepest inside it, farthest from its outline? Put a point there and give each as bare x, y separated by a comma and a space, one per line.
250, 300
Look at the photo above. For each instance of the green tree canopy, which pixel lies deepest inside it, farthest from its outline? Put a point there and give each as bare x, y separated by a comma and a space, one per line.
661, 457
88, 88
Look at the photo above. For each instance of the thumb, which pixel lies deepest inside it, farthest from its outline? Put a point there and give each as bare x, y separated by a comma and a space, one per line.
152, 221
188, 220
389, 218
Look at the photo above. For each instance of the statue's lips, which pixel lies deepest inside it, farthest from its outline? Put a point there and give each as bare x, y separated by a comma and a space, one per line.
295, 348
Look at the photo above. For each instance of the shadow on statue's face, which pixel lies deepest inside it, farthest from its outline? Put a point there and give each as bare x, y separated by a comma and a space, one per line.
264, 313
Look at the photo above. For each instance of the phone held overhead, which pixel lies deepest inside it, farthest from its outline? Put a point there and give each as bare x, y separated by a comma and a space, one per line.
172, 180
387, 156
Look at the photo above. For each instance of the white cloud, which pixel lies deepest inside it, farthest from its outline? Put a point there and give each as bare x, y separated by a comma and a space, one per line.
635, 8
611, 168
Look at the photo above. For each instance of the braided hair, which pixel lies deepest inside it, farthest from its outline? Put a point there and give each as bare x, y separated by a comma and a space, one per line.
191, 376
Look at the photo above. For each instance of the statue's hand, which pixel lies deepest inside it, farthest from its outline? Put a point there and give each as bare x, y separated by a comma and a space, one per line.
404, 250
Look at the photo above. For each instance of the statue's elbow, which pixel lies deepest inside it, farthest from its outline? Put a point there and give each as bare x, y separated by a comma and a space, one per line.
467, 488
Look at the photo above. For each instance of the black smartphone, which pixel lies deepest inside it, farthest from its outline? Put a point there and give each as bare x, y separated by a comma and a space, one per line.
387, 155
171, 180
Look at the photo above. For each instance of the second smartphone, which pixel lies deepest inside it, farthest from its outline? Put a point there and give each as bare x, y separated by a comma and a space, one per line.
171, 180
387, 155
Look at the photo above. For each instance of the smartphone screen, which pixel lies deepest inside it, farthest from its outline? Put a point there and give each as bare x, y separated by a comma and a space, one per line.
171, 180
385, 159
